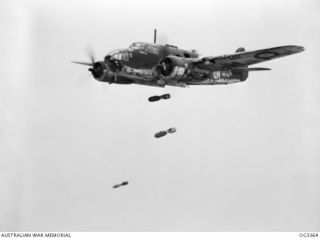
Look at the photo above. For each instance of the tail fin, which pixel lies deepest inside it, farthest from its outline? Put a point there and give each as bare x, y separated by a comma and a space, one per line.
240, 49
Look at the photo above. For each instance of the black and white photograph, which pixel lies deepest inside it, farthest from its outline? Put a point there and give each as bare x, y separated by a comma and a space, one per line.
160, 116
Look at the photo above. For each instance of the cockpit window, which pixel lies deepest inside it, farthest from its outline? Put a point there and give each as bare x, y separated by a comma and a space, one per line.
138, 45
111, 53
119, 55
125, 56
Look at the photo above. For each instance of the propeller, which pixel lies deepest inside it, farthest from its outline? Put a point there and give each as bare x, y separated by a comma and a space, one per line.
82, 63
96, 68
90, 54
108, 70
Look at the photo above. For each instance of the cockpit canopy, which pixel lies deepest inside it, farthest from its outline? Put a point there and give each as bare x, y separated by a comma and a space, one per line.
138, 45
146, 47
120, 55
153, 49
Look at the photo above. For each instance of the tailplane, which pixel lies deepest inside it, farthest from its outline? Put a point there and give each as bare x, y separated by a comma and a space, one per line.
240, 49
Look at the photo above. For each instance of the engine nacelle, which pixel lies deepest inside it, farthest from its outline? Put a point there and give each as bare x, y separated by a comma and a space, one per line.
101, 72
105, 71
174, 68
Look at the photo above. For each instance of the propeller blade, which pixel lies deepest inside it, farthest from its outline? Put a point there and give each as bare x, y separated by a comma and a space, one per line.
90, 53
82, 63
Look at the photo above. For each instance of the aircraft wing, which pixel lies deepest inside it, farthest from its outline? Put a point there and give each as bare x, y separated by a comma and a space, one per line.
246, 58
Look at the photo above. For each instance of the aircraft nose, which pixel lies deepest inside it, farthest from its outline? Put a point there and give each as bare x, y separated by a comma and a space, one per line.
97, 69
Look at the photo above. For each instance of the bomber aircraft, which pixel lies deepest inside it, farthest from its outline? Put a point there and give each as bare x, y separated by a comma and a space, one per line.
161, 65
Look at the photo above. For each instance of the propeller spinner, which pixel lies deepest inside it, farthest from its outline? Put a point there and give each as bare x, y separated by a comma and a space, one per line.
98, 69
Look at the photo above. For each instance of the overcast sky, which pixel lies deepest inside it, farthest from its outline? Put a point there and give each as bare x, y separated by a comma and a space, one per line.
245, 157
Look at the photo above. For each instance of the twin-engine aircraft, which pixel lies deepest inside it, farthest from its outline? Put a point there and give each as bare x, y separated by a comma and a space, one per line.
160, 65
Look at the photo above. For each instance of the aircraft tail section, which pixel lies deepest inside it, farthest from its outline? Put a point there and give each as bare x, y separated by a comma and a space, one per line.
244, 75
243, 72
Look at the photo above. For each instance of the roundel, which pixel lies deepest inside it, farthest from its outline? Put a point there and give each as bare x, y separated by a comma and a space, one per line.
266, 55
